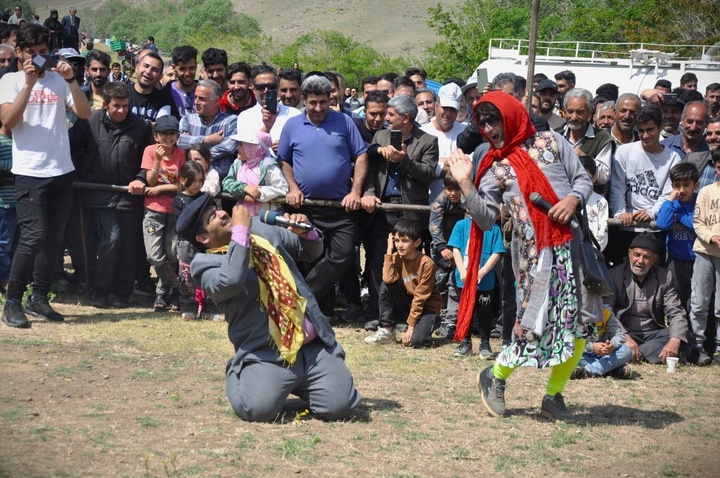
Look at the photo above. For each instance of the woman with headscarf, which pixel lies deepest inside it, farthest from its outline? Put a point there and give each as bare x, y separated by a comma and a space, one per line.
255, 178
55, 42
552, 304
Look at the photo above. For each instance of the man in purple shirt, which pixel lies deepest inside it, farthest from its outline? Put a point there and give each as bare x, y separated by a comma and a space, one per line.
317, 150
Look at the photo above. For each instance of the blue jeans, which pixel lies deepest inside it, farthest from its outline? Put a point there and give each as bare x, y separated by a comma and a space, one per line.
8, 226
602, 364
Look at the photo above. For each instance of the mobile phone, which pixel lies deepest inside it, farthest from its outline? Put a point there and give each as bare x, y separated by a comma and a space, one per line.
396, 139
482, 78
46, 62
669, 98
271, 101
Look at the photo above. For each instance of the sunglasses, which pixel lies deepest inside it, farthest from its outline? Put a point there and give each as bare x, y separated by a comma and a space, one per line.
265, 86
492, 121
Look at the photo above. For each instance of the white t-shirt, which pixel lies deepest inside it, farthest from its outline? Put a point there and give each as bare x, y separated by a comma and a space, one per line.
41, 147
251, 120
447, 142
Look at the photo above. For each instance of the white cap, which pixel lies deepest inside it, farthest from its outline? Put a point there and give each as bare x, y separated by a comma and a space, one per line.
449, 96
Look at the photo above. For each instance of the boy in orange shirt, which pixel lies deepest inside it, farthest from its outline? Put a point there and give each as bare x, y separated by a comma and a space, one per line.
408, 291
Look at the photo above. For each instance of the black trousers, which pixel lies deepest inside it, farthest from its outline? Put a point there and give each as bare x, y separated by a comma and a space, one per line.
43, 208
116, 247
395, 307
339, 230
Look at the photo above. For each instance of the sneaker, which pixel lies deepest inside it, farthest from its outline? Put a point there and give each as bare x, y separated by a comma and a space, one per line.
553, 407
41, 308
372, 324
13, 316
382, 336
492, 392
353, 314
99, 301
464, 349
214, 317
703, 359
579, 373
486, 352
188, 316
159, 305
120, 302
446, 331
623, 373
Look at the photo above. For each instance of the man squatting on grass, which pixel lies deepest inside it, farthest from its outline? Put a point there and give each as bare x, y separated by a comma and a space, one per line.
283, 343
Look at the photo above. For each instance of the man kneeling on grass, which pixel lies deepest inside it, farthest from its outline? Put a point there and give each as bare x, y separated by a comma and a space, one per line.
283, 343
408, 290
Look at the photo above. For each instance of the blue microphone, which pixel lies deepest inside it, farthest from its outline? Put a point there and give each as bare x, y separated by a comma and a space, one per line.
274, 219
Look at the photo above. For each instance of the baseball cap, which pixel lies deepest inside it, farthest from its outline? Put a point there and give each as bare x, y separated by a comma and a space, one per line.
166, 123
546, 85
449, 96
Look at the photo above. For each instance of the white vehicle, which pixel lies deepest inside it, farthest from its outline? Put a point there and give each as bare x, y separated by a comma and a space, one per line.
634, 67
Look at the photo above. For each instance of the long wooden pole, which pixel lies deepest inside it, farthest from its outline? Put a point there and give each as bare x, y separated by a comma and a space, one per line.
534, 13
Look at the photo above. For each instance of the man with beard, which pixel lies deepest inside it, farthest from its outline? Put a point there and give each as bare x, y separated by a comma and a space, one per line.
184, 59
289, 88
703, 161
238, 96
672, 112
374, 119
259, 118
712, 98
211, 126
645, 300
547, 93
146, 100
215, 66
97, 69
626, 108
584, 138
565, 81
692, 139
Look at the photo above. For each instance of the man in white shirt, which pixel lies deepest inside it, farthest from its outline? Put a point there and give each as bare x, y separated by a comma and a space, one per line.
259, 118
33, 104
445, 129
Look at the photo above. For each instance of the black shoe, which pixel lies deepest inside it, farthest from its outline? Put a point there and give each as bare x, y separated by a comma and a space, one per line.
13, 316
144, 289
703, 359
41, 308
120, 302
352, 315
464, 349
553, 407
445, 331
372, 324
623, 373
99, 301
579, 373
486, 352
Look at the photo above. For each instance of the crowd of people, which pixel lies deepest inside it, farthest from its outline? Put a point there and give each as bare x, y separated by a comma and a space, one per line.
438, 188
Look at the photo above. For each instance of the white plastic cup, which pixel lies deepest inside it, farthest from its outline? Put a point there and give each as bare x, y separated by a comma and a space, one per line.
672, 364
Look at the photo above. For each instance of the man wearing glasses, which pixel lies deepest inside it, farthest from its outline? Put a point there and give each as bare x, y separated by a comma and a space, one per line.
259, 117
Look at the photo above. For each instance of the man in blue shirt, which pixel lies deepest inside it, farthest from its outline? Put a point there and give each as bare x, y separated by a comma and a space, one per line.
317, 150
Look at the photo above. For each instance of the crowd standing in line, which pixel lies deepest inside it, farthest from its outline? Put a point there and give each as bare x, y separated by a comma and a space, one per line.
485, 259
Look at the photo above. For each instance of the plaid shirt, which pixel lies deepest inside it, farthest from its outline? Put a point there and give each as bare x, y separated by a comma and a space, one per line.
193, 129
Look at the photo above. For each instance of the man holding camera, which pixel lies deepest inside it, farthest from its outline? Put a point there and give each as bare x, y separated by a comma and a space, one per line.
32, 104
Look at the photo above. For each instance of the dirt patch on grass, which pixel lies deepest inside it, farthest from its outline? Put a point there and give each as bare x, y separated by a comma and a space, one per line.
136, 393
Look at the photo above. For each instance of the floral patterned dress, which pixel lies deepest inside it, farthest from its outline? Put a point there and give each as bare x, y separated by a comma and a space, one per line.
547, 292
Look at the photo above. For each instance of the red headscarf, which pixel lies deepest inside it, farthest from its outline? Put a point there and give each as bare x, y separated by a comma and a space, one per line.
518, 128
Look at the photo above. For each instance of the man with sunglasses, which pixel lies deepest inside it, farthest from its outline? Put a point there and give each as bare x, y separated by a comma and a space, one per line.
259, 118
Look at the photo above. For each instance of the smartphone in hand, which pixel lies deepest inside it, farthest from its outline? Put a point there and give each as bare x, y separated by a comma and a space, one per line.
46, 62
271, 97
396, 139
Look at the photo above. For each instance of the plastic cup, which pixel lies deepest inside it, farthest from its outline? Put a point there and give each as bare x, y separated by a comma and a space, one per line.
672, 364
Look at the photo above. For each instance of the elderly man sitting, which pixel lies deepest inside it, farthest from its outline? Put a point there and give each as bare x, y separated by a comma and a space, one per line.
647, 304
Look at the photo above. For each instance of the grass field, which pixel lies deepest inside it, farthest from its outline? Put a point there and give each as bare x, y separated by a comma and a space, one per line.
136, 393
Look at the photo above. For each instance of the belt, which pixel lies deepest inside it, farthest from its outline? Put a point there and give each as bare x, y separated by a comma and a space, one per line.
392, 200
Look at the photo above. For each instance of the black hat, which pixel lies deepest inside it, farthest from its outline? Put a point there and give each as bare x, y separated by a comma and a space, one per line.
646, 240
166, 123
190, 220
546, 85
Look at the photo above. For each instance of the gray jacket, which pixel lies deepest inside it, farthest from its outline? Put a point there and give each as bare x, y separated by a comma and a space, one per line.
230, 282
